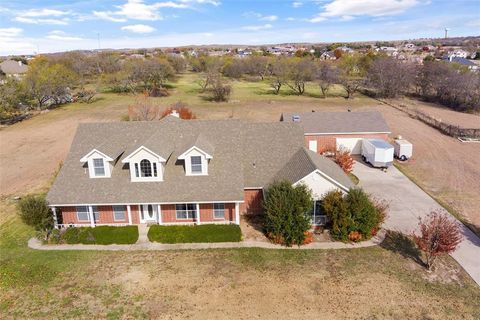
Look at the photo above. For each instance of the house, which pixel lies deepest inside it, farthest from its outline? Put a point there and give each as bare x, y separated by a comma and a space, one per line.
177, 171
328, 55
464, 62
14, 69
326, 131
458, 53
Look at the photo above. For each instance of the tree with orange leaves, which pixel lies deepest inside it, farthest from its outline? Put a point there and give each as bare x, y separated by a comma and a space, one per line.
181, 109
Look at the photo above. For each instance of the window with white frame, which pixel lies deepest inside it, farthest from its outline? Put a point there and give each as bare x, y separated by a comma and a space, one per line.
146, 169
119, 213
82, 213
219, 211
186, 211
99, 167
196, 163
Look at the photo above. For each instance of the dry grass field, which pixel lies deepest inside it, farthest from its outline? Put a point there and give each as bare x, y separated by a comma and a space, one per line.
385, 282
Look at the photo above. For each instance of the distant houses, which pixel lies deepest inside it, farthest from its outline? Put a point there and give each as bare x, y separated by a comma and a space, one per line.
14, 69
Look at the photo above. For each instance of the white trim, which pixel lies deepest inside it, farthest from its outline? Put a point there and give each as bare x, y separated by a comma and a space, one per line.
129, 211
127, 158
332, 133
92, 218
88, 213
237, 213
252, 188
55, 219
138, 203
141, 210
66, 225
213, 211
198, 214
326, 177
185, 154
88, 155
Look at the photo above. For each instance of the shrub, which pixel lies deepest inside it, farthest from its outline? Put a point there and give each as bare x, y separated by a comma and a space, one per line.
365, 216
181, 109
355, 216
101, 235
193, 234
286, 212
336, 209
439, 234
344, 160
34, 211
220, 91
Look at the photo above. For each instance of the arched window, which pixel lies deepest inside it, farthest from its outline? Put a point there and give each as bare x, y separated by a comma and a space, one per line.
145, 168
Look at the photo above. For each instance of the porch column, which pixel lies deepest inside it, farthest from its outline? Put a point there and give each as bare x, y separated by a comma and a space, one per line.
92, 218
129, 213
237, 213
198, 213
159, 213
314, 212
55, 219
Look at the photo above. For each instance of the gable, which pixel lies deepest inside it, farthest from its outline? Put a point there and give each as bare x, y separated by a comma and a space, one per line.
95, 154
143, 153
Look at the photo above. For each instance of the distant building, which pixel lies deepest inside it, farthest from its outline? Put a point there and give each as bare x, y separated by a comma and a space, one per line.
14, 69
464, 62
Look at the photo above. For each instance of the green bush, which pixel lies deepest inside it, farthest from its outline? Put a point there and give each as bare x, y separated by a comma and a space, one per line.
354, 216
287, 208
101, 235
195, 234
34, 211
336, 209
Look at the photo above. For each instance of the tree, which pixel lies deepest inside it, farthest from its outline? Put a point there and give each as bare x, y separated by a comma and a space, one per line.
279, 71
439, 234
257, 66
326, 76
299, 72
178, 63
34, 211
390, 76
366, 218
45, 81
335, 208
13, 97
220, 91
152, 73
182, 110
143, 109
344, 159
351, 86
287, 210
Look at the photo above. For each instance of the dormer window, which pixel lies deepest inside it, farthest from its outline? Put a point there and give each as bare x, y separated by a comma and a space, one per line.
196, 163
99, 167
145, 165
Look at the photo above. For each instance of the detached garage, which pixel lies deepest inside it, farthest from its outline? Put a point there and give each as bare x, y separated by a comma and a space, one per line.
331, 130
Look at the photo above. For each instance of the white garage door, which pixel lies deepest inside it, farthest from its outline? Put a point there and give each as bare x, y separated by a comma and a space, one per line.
352, 144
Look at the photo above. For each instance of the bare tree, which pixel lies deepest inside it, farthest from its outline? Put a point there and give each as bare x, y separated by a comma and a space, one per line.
279, 71
300, 71
351, 85
220, 91
327, 75
390, 77
143, 109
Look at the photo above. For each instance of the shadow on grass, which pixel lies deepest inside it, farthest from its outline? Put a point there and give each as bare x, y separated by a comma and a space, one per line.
403, 245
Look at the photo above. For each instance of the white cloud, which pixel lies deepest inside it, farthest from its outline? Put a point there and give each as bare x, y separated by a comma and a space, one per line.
138, 28
297, 4
290, 19
43, 16
256, 28
10, 32
212, 2
269, 18
107, 16
347, 9
60, 35
259, 16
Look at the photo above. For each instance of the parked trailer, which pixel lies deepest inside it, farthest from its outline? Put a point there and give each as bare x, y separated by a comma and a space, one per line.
402, 149
377, 152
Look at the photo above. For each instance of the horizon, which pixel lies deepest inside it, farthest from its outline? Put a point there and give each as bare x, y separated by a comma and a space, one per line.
46, 27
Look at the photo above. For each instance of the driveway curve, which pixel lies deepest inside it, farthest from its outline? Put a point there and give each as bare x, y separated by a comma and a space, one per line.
407, 203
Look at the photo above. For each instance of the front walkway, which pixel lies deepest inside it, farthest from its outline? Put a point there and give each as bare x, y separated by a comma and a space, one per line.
34, 243
407, 203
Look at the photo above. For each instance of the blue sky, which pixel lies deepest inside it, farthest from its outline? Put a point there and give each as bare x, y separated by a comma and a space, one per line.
48, 26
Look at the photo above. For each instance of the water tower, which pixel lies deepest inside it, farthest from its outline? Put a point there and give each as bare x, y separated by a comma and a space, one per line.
446, 32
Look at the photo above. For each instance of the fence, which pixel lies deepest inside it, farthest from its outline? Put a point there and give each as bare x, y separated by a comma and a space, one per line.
443, 127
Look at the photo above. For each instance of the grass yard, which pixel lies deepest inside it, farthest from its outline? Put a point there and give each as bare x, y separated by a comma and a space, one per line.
191, 234
101, 235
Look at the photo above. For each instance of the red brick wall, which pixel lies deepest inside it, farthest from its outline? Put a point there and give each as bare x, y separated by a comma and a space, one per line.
69, 215
253, 201
329, 142
135, 214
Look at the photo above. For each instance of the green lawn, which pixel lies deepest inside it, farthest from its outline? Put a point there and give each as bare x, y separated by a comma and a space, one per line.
101, 235
192, 234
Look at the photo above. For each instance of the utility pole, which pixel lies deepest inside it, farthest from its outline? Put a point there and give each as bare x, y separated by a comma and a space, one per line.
98, 39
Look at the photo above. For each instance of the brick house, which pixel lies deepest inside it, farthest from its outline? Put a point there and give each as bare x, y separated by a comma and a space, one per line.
177, 171
326, 131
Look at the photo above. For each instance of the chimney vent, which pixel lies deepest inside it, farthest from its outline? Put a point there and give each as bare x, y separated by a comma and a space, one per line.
296, 118
175, 113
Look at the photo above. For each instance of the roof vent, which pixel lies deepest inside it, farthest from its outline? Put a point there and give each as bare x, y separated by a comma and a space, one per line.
175, 113
296, 118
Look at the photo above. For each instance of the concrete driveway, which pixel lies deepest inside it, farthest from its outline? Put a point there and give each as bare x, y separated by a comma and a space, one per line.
407, 203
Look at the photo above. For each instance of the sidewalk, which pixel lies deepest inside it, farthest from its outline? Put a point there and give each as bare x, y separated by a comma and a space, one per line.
34, 243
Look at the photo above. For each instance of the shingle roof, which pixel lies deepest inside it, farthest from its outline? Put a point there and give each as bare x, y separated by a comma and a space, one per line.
339, 122
13, 67
305, 161
245, 155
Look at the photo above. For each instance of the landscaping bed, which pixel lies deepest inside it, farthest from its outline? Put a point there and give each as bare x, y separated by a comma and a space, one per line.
192, 234
97, 235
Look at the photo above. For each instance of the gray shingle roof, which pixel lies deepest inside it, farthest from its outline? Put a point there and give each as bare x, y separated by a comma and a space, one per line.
339, 122
305, 161
13, 67
245, 155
